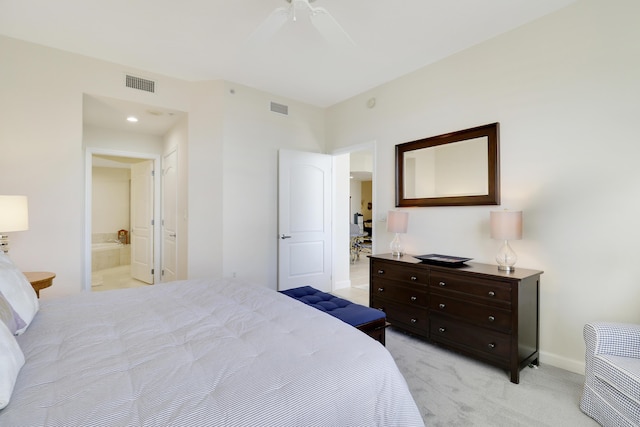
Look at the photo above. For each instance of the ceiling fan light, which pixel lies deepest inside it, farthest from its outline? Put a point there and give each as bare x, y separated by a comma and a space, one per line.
321, 19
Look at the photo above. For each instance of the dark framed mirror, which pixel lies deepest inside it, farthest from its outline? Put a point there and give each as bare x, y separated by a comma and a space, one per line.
456, 169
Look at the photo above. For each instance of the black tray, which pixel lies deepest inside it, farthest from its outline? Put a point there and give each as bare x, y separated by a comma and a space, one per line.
447, 260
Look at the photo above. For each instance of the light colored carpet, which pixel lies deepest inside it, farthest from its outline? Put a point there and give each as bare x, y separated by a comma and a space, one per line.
454, 390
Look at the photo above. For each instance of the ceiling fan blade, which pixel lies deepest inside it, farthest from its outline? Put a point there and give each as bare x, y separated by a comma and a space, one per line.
330, 29
271, 25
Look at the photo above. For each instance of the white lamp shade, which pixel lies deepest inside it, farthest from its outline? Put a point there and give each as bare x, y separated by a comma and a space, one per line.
506, 225
14, 214
397, 221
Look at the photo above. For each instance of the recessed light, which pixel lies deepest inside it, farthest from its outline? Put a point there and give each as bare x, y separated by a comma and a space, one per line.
132, 119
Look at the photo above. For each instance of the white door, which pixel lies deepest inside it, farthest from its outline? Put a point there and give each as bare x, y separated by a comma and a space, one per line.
169, 215
304, 220
142, 221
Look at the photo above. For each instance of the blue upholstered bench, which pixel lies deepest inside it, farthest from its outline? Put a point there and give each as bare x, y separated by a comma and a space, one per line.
369, 320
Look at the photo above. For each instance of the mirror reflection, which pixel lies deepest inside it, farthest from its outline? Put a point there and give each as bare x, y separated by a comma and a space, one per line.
456, 169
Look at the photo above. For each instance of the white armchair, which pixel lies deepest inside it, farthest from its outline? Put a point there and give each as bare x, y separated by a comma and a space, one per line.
611, 393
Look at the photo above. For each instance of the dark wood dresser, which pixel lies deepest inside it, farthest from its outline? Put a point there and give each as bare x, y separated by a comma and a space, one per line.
474, 309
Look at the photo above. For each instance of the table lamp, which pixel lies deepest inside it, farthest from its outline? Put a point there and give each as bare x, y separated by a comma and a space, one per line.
13, 217
397, 223
506, 225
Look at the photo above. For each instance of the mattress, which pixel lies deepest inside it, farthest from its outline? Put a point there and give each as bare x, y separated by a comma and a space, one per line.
206, 352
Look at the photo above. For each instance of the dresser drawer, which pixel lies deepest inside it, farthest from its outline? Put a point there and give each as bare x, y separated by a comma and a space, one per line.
384, 270
489, 290
474, 309
412, 318
470, 338
479, 314
403, 294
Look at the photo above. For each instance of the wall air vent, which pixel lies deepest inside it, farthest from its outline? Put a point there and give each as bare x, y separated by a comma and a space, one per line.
140, 84
279, 108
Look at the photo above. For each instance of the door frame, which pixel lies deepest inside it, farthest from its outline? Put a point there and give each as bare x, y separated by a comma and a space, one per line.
343, 264
157, 250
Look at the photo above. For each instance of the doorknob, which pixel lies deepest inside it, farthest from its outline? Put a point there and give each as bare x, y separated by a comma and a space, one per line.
284, 236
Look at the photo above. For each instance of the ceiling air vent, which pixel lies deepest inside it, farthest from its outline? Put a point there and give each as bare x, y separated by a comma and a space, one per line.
279, 108
140, 84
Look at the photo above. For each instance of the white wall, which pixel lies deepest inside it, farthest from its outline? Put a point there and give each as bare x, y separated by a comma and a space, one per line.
252, 137
43, 154
118, 140
355, 194
341, 252
230, 161
565, 90
205, 179
110, 201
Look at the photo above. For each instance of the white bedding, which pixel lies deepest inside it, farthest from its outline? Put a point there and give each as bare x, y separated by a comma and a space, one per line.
202, 353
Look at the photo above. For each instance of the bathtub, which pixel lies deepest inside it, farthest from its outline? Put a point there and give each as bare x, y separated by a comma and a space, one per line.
109, 255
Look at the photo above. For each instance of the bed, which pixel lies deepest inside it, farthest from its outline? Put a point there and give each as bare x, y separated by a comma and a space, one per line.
207, 352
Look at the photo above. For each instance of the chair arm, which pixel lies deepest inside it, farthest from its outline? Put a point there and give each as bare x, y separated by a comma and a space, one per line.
617, 339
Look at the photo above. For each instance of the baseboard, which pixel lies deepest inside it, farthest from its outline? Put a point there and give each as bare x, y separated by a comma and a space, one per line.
571, 365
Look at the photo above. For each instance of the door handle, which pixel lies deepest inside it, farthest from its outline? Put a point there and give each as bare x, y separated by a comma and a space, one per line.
284, 236
172, 235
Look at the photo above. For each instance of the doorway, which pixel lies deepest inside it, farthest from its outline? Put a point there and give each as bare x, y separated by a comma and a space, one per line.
122, 252
359, 161
361, 197
129, 133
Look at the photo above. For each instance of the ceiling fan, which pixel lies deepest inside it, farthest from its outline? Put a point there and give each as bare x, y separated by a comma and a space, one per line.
321, 19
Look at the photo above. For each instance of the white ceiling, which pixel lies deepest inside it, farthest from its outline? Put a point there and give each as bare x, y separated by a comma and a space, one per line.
112, 113
207, 39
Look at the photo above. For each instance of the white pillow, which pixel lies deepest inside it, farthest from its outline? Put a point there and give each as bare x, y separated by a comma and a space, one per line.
18, 291
11, 361
9, 316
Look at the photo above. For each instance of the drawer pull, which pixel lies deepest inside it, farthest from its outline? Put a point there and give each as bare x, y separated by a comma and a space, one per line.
414, 298
380, 289
492, 294
414, 320
442, 330
491, 345
414, 278
491, 318
380, 271
441, 305
442, 284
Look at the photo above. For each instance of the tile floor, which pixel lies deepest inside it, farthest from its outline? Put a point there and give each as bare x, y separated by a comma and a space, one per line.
359, 275
120, 278
114, 278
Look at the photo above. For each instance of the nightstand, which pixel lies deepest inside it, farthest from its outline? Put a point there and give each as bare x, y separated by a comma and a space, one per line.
40, 280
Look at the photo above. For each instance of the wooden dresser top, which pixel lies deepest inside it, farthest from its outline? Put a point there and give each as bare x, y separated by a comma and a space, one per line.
468, 267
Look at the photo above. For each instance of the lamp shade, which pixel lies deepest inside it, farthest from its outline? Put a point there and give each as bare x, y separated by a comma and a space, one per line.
397, 221
506, 225
13, 213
